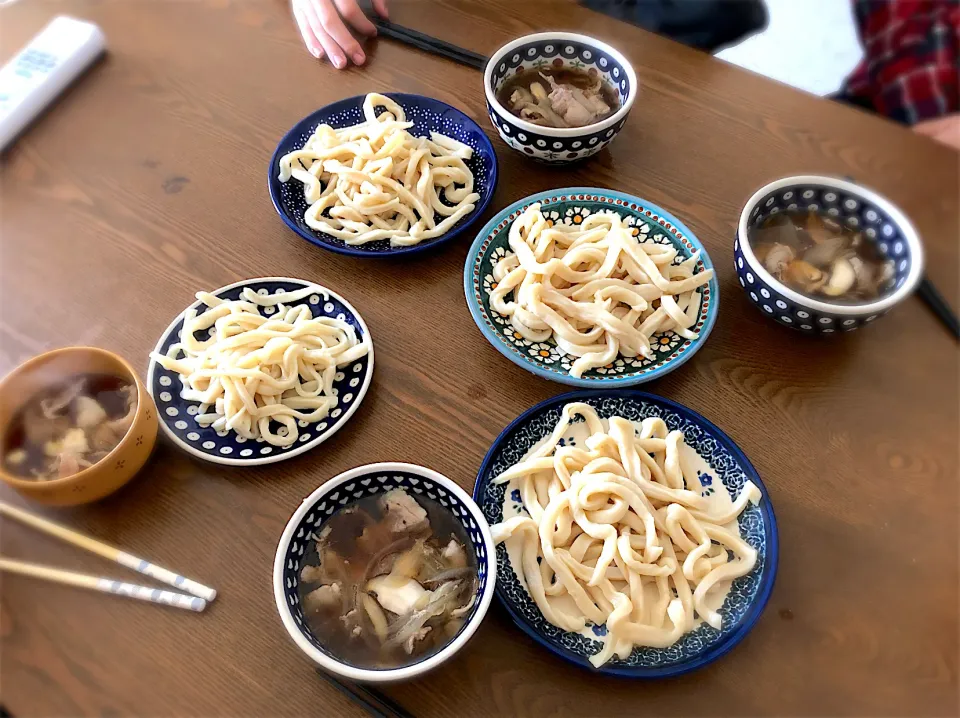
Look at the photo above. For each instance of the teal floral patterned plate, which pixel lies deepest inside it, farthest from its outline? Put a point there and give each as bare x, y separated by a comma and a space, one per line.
572, 205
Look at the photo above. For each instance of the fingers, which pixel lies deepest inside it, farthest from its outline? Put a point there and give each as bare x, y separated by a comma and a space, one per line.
309, 39
380, 7
330, 47
335, 28
351, 12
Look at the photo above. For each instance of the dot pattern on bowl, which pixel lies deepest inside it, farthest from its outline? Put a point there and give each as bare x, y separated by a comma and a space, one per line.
180, 416
748, 593
852, 210
551, 53
428, 116
361, 486
545, 357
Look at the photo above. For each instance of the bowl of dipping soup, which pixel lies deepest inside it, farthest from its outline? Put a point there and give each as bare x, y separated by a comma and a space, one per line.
76, 425
824, 255
558, 96
384, 572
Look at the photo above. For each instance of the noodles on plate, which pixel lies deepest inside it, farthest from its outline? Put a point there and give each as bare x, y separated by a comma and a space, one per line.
593, 288
376, 181
255, 370
612, 534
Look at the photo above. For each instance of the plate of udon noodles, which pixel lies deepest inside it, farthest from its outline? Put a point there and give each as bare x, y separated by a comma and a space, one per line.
382, 175
633, 536
260, 370
591, 287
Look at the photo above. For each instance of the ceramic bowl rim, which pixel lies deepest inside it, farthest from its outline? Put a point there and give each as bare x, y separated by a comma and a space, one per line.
393, 674
867, 196
280, 456
771, 556
559, 131
87, 472
623, 381
358, 251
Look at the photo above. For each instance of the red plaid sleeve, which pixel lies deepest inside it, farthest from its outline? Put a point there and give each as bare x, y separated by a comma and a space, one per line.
911, 58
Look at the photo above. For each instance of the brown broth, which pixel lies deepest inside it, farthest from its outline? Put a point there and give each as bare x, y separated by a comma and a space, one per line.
349, 560
821, 258
580, 79
34, 433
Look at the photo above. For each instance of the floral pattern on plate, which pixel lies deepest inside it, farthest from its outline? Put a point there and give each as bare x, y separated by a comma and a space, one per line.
571, 206
730, 469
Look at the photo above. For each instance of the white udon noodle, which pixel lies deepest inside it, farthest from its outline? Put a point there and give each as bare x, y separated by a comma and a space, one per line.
594, 288
255, 369
377, 181
613, 518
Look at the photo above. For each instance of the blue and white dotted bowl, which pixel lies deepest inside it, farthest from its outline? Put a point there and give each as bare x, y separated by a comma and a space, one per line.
428, 115
572, 205
343, 490
726, 462
177, 415
558, 145
857, 207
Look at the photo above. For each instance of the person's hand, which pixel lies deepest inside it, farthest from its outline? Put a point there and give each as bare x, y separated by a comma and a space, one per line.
321, 23
943, 129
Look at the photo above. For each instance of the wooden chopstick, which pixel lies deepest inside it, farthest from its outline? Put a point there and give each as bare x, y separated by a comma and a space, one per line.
108, 552
938, 305
429, 44
375, 702
104, 585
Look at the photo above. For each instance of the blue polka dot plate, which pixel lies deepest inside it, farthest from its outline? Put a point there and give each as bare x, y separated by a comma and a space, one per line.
877, 219
721, 466
177, 416
340, 491
428, 115
545, 359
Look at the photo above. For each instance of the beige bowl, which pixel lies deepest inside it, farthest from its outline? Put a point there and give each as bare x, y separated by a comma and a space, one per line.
117, 467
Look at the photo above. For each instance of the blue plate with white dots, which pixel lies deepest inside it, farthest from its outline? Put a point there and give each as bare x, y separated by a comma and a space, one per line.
307, 521
427, 115
177, 415
720, 466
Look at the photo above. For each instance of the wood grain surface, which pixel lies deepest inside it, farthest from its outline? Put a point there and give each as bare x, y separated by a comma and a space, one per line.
147, 182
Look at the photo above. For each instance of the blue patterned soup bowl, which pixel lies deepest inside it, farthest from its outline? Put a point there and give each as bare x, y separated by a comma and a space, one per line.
572, 205
721, 471
558, 145
877, 219
427, 115
298, 546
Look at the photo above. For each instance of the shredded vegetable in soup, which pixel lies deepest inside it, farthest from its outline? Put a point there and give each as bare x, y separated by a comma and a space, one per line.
69, 427
391, 581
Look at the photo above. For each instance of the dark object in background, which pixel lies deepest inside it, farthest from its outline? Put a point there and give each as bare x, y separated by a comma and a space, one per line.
704, 24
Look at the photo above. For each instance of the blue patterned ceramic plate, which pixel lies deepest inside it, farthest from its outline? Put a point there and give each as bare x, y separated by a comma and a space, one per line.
177, 415
428, 115
296, 544
545, 359
726, 469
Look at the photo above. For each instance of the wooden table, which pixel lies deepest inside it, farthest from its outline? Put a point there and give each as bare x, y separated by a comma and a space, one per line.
147, 182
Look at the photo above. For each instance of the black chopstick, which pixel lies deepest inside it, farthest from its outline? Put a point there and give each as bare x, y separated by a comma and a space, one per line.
429, 44
375, 702
933, 299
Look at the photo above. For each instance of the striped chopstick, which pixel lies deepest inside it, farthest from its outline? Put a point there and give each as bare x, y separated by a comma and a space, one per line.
104, 585
109, 552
